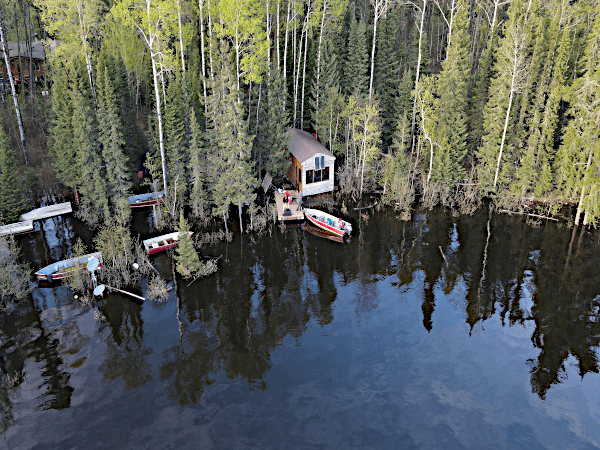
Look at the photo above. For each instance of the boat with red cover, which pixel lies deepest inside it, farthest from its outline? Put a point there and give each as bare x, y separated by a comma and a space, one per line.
327, 222
164, 242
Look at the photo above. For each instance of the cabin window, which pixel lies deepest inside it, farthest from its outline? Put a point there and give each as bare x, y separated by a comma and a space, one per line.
315, 176
317, 163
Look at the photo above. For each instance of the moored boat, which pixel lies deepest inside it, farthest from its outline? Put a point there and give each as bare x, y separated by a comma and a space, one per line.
164, 242
67, 267
327, 222
149, 199
323, 234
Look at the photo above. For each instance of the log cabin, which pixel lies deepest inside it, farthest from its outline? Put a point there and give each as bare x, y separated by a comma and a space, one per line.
312, 165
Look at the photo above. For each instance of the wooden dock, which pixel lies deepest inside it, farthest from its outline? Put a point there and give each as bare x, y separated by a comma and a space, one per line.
296, 212
48, 211
16, 228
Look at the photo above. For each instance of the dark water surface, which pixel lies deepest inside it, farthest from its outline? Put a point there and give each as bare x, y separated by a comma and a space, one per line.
299, 342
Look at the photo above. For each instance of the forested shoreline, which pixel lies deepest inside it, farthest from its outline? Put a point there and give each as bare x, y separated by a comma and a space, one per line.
448, 101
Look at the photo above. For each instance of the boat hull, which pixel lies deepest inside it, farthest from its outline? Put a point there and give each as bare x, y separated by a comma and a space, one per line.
152, 251
146, 203
164, 242
323, 225
67, 268
324, 234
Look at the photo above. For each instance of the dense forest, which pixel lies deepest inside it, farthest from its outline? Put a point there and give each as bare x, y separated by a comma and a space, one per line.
445, 101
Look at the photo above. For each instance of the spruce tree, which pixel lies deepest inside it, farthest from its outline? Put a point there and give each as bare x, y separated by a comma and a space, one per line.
235, 181
188, 262
387, 77
92, 185
112, 139
60, 138
12, 202
198, 169
451, 129
273, 124
356, 69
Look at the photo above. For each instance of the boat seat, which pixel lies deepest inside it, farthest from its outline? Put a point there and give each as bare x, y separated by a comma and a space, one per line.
154, 244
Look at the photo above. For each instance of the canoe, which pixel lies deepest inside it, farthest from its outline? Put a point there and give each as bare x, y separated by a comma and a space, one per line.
149, 199
67, 267
164, 242
327, 222
16, 228
323, 234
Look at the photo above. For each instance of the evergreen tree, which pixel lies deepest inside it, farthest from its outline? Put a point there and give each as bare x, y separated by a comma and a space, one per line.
235, 182
387, 76
60, 139
188, 262
92, 185
513, 61
356, 69
578, 156
198, 167
450, 130
270, 140
176, 138
112, 140
12, 202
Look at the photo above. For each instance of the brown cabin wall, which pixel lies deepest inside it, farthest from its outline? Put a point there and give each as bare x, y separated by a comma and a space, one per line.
295, 173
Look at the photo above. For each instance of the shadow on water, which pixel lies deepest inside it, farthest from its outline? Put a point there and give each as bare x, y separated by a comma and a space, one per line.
270, 288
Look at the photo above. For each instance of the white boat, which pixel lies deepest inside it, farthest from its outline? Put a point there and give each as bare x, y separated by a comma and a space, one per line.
164, 242
149, 199
67, 267
327, 222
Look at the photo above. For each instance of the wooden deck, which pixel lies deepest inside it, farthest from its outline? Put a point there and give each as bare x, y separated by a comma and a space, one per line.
48, 211
297, 213
16, 228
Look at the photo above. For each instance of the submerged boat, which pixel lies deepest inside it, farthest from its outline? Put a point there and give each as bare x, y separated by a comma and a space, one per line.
149, 199
323, 234
67, 267
327, 222
164, 242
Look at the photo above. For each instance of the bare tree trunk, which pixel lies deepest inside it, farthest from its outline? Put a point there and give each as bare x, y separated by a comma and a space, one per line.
297, 76
21, 74
582, 195
277, 36
13, 90
201, 7
317, 92
285, 50
380, 6
414, 114
304, 80
210, 49
31, 73
180, 36
240, 206
86, 52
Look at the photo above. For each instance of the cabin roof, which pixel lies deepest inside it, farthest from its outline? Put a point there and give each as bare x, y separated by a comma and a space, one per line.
37, 47
304, 145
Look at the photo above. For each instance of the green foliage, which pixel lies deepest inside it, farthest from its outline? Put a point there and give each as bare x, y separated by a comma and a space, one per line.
356, 69
270, 141
14, 276
188, 262
12, 202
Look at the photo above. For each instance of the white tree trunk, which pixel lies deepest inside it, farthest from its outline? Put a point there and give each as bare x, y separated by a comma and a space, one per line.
180, 36
201, 7
13, 91
318, 93
414, 114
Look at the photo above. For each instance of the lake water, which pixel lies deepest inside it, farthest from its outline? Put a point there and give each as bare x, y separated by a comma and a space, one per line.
300, 342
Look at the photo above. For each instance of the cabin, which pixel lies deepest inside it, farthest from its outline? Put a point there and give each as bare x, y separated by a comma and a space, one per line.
38, 58
312, 165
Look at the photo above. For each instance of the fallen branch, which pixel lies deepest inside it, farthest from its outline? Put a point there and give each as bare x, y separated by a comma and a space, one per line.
443, 256
125, 292
528, 214
365, 207
201, 275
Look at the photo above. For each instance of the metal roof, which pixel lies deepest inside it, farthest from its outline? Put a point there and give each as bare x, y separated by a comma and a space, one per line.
38, 51
304, 145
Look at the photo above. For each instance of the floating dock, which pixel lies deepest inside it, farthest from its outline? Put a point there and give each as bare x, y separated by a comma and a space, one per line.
16, 228
295, 210
48, 211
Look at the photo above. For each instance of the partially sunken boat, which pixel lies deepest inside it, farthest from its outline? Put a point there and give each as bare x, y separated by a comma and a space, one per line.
67, 267
16, 228
149, 199
327, 222
164, 242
